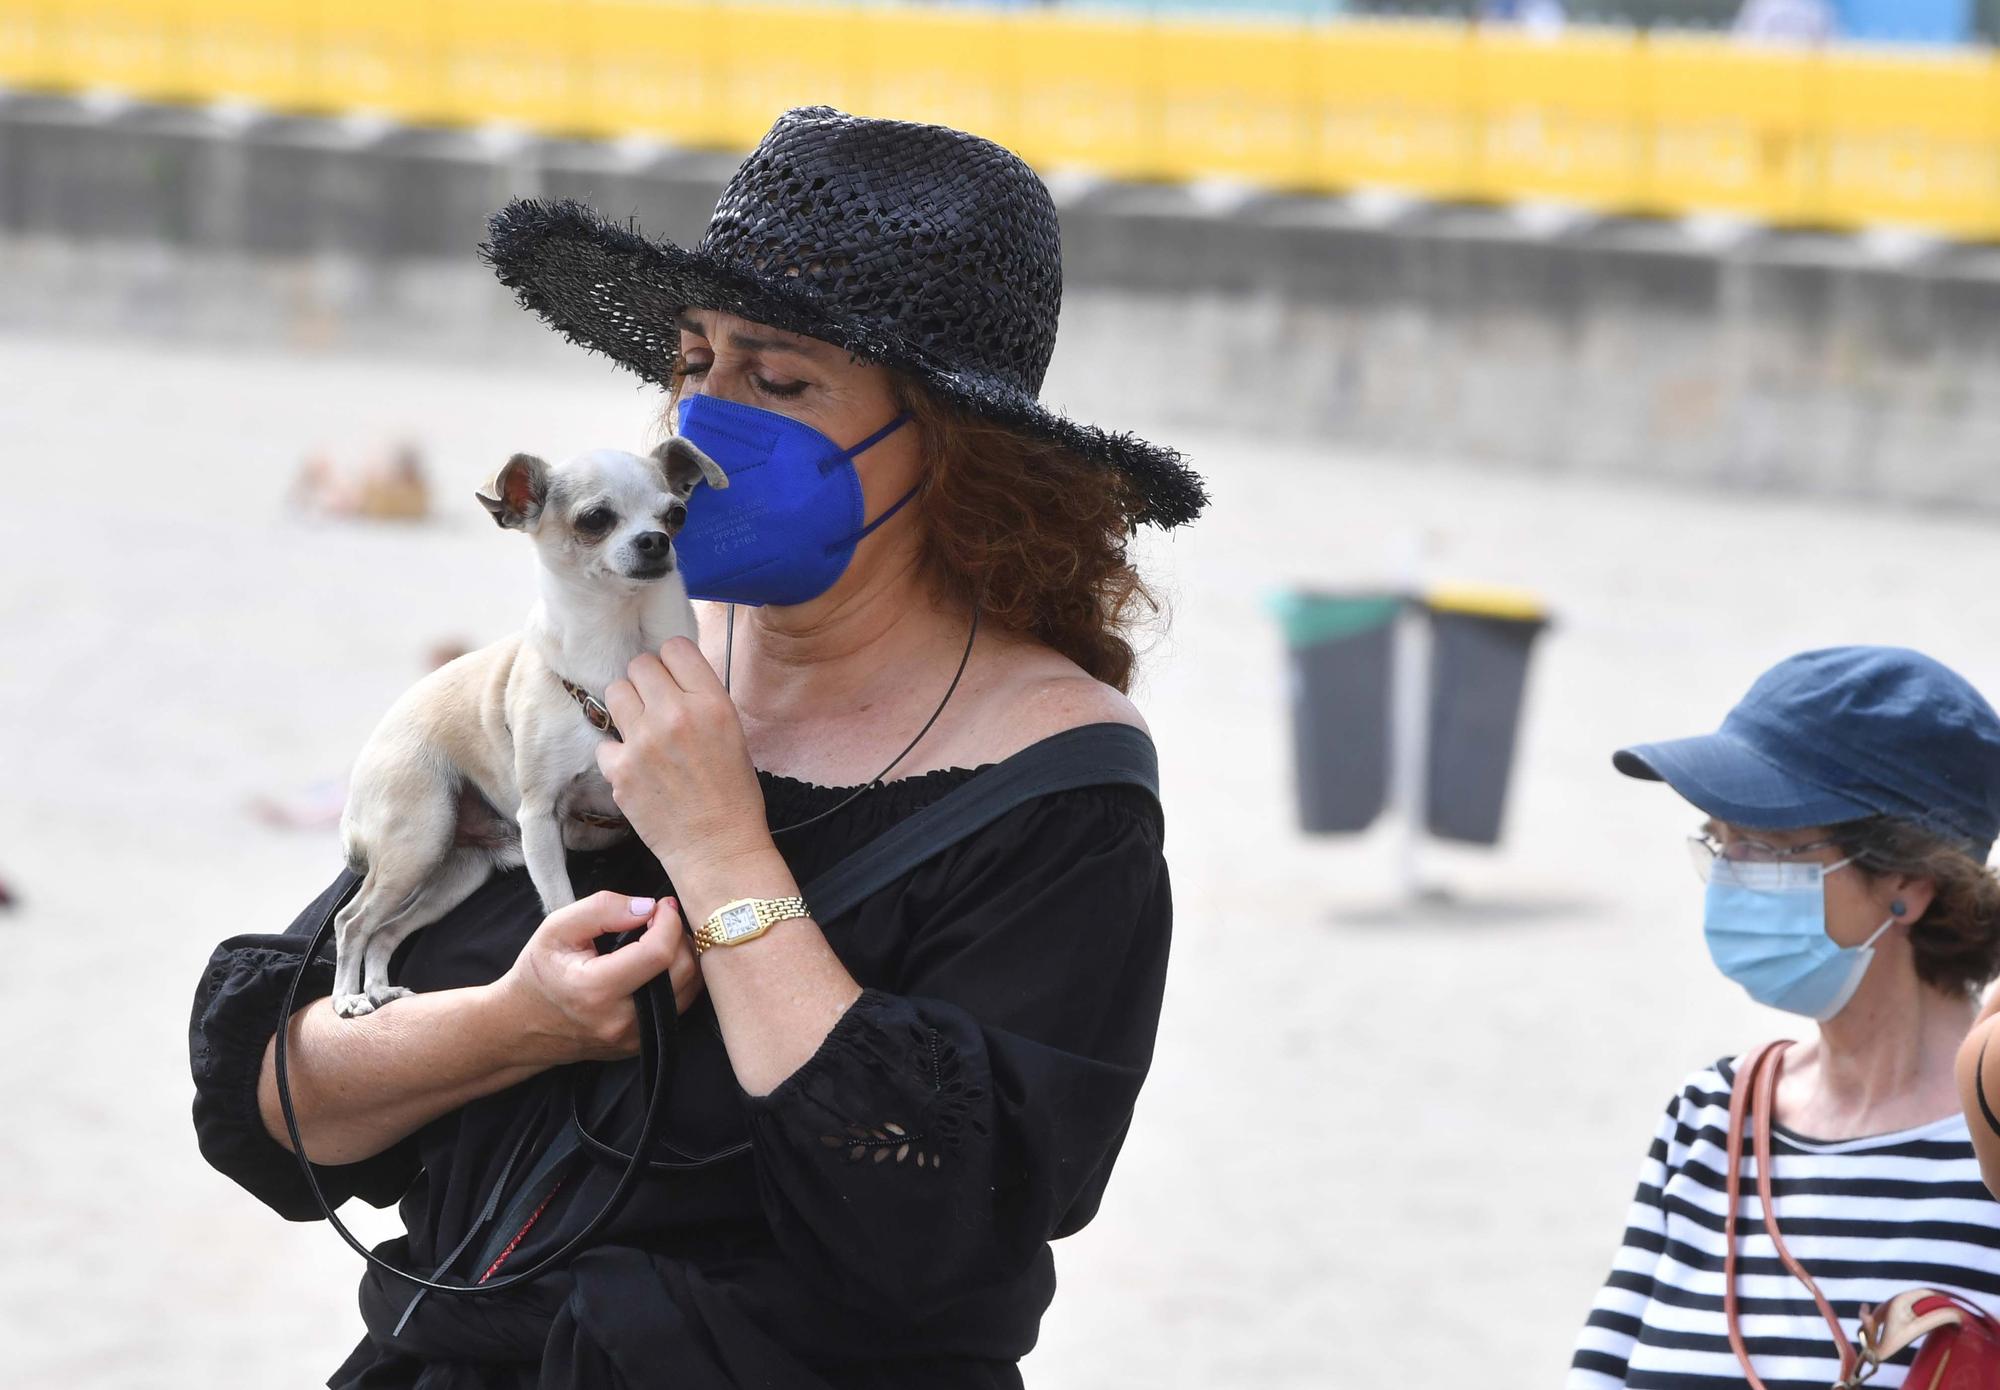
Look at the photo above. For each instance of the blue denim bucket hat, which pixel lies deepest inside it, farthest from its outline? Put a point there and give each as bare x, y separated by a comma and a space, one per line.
1839, 735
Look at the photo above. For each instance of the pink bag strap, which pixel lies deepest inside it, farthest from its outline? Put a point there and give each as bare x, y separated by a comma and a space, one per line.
1751, 1096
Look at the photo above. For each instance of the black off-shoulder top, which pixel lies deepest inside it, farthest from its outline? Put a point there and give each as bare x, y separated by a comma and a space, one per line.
881, 1219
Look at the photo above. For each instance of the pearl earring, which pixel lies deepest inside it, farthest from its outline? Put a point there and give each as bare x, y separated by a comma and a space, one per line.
1898, 908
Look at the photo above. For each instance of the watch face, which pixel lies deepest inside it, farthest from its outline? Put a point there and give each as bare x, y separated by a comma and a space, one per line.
737, 922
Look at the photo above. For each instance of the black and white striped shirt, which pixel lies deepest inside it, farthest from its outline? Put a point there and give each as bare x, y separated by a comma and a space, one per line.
1869, 1217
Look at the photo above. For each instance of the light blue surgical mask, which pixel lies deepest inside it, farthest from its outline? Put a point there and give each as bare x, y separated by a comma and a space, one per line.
1766, 930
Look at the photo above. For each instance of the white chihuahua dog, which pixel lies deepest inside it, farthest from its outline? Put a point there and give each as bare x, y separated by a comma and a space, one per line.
491, 761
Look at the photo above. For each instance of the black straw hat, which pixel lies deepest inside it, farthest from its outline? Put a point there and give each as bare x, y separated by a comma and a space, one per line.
922, 248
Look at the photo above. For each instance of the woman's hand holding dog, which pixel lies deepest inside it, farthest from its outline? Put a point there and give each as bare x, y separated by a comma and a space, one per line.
575, 1005
683, 777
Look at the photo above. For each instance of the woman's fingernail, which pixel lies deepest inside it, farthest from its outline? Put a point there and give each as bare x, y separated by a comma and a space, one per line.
639, 907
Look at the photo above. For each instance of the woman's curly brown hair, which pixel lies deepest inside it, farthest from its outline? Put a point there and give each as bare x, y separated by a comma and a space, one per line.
1033, 534
1956, 943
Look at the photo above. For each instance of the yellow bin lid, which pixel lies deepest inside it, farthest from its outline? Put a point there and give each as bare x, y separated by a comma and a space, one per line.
1487, 601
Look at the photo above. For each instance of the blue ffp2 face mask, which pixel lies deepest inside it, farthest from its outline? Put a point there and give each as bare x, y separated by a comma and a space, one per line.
785, 528
1766, 930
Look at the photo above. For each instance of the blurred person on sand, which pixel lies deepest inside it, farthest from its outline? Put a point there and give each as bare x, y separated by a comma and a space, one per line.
1852, 799
880, 1121
393, 488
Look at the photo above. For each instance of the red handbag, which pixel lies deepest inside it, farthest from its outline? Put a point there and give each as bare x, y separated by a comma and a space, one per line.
1960, 1344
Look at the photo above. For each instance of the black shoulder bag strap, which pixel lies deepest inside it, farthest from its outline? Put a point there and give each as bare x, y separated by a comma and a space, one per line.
1090, 756
1093, 755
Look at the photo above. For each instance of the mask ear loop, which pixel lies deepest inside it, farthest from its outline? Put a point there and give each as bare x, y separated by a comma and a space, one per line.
872, 527
1898, 907
901, 502
849, 455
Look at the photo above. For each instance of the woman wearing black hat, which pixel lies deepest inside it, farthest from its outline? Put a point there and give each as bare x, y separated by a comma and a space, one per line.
1852, 799
880, 1113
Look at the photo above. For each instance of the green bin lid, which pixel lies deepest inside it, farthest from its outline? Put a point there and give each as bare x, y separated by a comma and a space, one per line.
1310, 618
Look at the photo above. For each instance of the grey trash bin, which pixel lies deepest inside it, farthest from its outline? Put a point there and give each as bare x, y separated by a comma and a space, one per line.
1342, 653
1480, 649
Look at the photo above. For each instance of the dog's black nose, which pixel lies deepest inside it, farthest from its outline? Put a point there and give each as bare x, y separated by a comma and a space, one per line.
652, 542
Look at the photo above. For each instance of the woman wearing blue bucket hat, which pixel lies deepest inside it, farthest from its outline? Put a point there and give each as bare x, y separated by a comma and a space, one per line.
1852, 798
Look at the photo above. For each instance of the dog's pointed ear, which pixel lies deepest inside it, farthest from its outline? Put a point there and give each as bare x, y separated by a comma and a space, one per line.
517, 492
685, 465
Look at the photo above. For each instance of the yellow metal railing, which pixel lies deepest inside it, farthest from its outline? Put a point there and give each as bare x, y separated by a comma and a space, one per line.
1622, 123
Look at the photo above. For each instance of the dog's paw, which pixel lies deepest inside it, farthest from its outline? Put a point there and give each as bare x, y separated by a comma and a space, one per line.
353, 1005
386, 994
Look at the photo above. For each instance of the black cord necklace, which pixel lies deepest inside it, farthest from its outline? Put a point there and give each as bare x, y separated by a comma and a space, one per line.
964, 660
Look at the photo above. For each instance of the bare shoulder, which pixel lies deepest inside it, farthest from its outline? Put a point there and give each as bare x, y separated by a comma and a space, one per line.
1051, 704
1029, 693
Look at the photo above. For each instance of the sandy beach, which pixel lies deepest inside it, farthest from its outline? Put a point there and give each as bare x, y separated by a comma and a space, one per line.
1378, 1142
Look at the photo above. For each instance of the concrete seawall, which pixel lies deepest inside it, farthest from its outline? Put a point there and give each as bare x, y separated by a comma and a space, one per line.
1834, 365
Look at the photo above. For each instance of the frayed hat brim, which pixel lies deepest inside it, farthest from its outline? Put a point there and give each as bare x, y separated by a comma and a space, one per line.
613, 291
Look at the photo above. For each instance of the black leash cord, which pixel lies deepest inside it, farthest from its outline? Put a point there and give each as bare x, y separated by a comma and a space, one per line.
656, 1044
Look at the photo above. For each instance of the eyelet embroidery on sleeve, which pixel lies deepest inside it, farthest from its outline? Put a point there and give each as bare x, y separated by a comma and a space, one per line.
949, 1112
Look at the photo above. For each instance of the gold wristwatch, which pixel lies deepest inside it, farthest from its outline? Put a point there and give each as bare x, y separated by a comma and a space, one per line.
746, 919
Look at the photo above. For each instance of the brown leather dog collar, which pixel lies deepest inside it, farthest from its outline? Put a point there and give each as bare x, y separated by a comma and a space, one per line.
593, 709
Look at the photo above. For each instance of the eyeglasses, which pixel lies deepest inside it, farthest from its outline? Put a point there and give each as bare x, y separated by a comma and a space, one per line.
1704, 849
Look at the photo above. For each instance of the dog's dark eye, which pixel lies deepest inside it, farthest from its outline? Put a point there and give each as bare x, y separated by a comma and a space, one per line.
674, 517
597, 520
